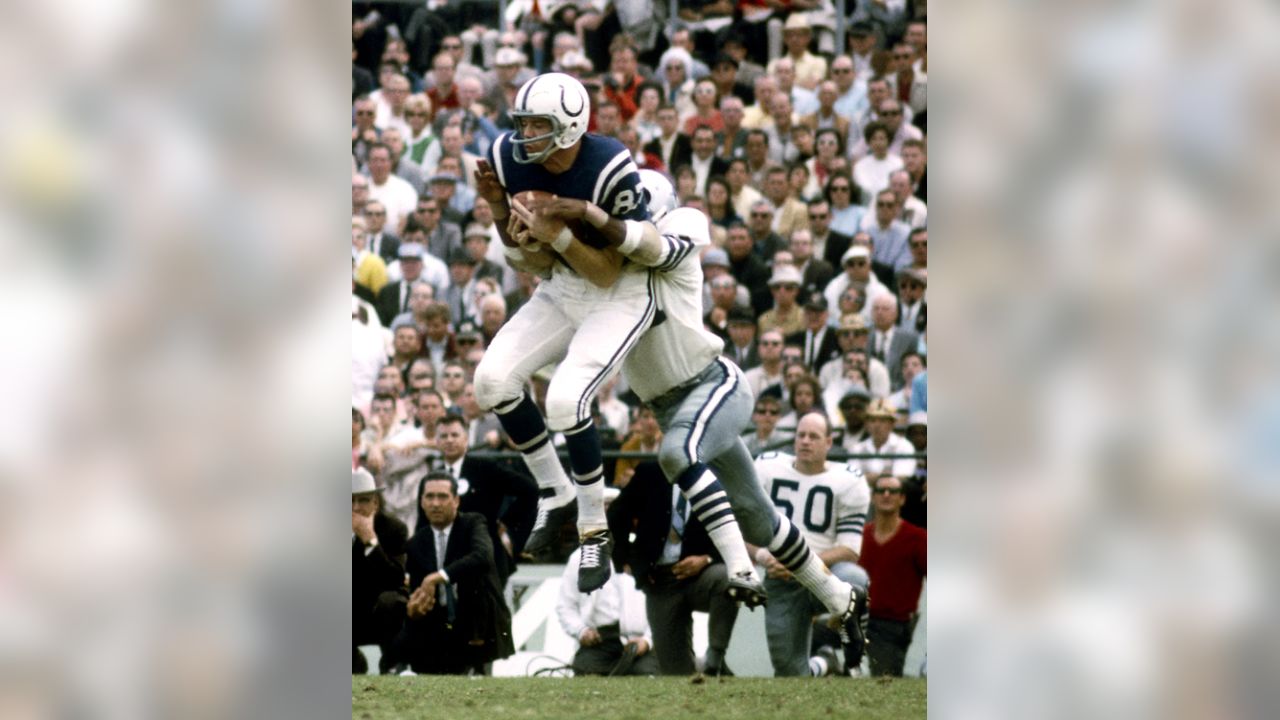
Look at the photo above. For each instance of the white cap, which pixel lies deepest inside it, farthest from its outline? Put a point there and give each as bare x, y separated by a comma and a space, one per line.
362, 482
786, 274
919, 417
853, 252
509, 56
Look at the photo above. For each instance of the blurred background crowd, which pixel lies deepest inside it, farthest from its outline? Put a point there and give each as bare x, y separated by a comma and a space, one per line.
800, 134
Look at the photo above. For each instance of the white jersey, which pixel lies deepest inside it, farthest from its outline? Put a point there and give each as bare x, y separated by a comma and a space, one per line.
678, 347
830, 508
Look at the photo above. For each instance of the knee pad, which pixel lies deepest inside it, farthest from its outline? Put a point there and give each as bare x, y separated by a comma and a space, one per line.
493, 387
562, 409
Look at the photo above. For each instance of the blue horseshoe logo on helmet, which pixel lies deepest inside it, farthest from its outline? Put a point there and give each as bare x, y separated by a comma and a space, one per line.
567, 111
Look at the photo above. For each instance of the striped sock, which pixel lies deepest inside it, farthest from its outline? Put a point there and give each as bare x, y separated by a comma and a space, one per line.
790, 548
523, 422
710, 505
585, 460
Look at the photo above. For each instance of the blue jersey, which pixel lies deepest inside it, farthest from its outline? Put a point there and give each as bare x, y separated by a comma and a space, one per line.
603, 173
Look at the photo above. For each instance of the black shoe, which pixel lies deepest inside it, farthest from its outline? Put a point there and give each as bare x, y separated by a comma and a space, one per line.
747, 588
546, 528
594, 570
720, 669
852, 629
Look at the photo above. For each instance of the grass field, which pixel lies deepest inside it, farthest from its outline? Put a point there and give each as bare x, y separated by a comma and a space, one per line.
375, 698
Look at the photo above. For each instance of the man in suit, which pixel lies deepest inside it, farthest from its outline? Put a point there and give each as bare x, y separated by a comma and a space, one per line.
816, 272
704, 161
442, 237
818, 339
377, 572
827, 244
393, 299
507, 500
671, 146
382, 243
677, 567
889, 343
457, 622
741, 344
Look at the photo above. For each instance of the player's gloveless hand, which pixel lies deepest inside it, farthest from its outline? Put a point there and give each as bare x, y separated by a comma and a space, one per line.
565, 209
487, 185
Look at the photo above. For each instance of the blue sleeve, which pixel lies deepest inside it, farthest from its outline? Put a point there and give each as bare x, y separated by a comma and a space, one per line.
920, 393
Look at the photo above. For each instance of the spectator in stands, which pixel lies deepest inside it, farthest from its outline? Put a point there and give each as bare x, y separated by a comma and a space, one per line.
368, 271
609, 624
873, 170
724, 73
458, 622
853, 409
846, 213
740, 345
851, 336
827, 244
817, 339
378, 595
439, 343
401, 165
390, 108
907, 83
673, 148
765, 434
889, 235
862, 46
724, 298
912, 364
406, 344
645, 121
622, 82
882, 440
704, 162
828, 160
747, 268
783, 149
756, 116
769, 372
856, 264
396, 194
916, 488
676, 565
914, 212
918, 245
892, 114
810, 69
705, 112
509, 73
719, 207
851, 91
682, 37
748, 70
889, 343
817, 273
380, 242
643, 436
803, 100
786, 314
732, 139
676, 71
462, 67
895, 555
364, 134
805, 394
914, 160
508, 500
911, 287
741, 194
443, 238
417, 114
878, 93
444, 90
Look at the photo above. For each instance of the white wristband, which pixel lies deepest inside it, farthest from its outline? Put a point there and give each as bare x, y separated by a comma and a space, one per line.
596, 216
635, 231
561, 243
763, 555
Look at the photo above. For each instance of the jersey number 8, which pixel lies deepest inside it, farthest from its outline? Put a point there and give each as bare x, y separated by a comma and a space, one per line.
624, 203
823, 523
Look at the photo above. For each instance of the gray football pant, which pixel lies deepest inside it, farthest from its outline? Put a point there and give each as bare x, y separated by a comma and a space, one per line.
702, 421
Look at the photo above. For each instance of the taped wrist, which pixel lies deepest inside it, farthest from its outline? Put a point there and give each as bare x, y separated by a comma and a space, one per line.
561, 243
635, 231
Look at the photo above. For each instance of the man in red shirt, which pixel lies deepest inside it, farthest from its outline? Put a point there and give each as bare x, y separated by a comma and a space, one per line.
894, 554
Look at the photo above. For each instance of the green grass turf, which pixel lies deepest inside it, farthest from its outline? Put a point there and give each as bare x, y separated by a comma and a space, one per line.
375, 698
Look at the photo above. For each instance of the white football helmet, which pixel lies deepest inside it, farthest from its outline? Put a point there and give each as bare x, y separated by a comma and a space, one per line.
662, 195
559, 98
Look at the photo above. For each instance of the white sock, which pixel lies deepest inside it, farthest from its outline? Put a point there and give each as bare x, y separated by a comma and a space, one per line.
724, 531
591, 508
547, 470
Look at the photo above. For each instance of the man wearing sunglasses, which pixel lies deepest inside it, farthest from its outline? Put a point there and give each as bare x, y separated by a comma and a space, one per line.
895, 555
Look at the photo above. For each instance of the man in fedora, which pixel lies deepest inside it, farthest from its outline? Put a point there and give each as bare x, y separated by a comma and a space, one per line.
882, 440
378, 594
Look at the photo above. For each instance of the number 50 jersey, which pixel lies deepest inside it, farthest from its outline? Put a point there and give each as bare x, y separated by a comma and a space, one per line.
830, 508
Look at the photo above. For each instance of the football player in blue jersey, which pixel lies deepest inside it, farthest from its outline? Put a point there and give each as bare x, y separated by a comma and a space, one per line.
587, 328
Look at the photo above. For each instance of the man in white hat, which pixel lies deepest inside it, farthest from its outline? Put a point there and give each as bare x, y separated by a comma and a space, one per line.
377, 572
856, 263
796, 35
786, 315
882, 440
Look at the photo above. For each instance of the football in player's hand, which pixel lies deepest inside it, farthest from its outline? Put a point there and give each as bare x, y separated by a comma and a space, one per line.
533, 200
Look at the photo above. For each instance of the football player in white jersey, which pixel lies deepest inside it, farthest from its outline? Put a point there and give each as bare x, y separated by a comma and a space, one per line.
587, 328
703, 402
828, 502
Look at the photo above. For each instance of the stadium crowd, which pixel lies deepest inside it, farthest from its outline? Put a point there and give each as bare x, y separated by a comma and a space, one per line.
810, 163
